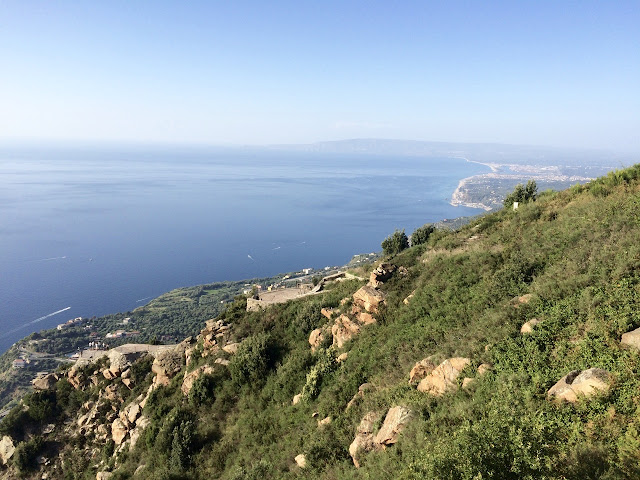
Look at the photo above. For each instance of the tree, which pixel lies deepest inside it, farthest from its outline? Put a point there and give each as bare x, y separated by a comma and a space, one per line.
395, 243
421, 234
522, 194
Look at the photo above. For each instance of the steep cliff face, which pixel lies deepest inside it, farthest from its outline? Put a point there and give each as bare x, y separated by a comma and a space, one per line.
505, 349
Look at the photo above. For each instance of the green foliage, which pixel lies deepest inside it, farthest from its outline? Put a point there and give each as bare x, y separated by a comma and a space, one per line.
395, 243
421, 235
325, 365
26, 453
522, 193
255, 356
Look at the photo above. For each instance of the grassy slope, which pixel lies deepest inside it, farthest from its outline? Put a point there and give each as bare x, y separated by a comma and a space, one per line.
576, 252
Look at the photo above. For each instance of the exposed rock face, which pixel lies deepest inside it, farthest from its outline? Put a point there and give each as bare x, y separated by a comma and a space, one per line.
296, 399
327, 312
395, 421
528, 326
315, 339
576, 383
484, 368
342, 357
344, 330
6, 449
369, 299
407, 300
231, 348
365, 318
191, 377
363, 441
444, 376
103, 475
166, 365
118, 431
631, 339
76, 378
381, 274
214, 335
47, 382
142, 423
301, 460
420, 370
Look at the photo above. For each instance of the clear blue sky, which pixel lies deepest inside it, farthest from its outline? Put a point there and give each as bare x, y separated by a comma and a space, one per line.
237, 72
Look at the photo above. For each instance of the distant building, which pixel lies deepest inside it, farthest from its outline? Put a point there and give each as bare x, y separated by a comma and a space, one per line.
19, 363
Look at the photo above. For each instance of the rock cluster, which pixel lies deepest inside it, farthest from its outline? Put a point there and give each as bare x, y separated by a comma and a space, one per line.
444, 376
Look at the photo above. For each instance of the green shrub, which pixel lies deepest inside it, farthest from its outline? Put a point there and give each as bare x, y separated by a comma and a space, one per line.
255, 356
26, 453
522, 194
395, 243
421, 235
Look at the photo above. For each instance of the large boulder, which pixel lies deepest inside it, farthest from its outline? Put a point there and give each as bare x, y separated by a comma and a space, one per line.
369, 299
395, 421
46, 382
6, 449
444, 376
301, 460
166, 365
363, 441
381, 274
142, 423
421, 369
119, 431
315, 339
343, 330
631, 339
191, 377
580, 383
103, 475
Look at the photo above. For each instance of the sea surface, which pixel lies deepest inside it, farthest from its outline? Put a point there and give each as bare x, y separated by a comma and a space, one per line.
88, 231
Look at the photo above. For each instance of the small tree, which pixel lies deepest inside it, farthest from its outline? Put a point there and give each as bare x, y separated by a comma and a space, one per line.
522, 194
395, 243
421, 234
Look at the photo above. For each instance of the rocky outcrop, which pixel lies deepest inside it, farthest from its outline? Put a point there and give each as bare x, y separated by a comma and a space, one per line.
296, 399
327, 312
343, 330
444, 376
395, 421
363, 441
141, 423
528, 326
407, 300
421, 369
103, 475
369, 299
119, 431
166, 365
631, 339
381, 274
231, 348
362, 389
7, 448
215, 335
191, 377
46, 382
315, 339
580, 383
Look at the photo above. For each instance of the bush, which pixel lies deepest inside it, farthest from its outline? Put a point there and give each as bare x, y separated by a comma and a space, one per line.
522, 194
26, 453
421, 234
395, 243
253, 360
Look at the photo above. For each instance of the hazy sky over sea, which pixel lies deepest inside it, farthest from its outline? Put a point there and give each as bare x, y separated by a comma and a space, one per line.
255, 72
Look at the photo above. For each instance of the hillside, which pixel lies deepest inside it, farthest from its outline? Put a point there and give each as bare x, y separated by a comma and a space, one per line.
425, 371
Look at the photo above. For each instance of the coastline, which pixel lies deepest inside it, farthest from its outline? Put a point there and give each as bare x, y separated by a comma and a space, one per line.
458, 195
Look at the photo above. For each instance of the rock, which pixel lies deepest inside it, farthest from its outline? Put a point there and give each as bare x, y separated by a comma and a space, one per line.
126, 373
344, 330
231, 348
7, 448
128, 383
365, 318
142, 423
75, 377
528, 326
344, 301
369, 298
327, 312
524, 299
133, 411
631, 339
301, 460
221, 361
296, 399
108, 374
363, 441
421, 369
324, 421
444, 376
140, 468
576, 383
315, 339
467, 382
408, 299
381, 274
118, 431
362, 389
342, 357
46, 382
166, 365
191, 377
484, 368
395, 421
49, 429
103, 475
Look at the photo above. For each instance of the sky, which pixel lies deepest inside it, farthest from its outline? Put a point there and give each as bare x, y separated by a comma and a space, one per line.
552, 73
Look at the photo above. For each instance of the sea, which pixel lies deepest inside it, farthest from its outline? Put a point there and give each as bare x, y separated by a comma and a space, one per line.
92, 230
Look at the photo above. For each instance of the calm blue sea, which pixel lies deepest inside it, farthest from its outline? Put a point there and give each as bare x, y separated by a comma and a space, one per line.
102, 230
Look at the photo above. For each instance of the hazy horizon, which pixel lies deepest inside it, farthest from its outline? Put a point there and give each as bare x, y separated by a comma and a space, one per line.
255, 74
